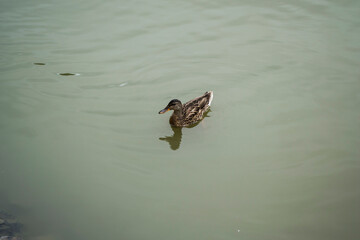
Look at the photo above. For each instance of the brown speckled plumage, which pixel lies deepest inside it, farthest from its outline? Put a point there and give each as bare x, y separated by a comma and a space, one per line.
190, 112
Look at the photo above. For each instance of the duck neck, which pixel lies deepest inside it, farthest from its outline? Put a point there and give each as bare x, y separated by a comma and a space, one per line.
176, 118
178, 114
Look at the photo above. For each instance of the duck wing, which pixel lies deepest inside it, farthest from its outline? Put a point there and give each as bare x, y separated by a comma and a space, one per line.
194, 109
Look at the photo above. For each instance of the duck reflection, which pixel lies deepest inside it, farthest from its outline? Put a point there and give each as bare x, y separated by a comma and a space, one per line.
174, 140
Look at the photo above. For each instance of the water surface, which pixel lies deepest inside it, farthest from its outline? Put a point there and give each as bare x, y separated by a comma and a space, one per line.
84, 154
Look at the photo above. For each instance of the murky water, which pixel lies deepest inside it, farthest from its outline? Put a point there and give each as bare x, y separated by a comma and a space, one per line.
85, 154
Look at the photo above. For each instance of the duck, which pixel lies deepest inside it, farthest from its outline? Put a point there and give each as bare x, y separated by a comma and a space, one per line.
189, 113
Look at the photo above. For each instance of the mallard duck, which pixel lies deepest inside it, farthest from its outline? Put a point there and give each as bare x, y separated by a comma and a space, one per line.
190, 112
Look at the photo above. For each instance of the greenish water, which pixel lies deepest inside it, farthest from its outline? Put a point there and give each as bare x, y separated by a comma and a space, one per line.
85, 154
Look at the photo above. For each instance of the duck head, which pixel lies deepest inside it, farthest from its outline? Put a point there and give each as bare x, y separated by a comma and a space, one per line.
174, 104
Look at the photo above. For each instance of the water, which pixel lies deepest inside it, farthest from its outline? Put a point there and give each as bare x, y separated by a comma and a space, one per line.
85, 154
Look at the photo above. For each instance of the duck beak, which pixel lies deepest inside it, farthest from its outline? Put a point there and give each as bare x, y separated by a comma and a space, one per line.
164, 110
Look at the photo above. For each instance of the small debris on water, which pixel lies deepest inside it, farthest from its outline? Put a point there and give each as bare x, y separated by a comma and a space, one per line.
69, 74
123, 84
39, 63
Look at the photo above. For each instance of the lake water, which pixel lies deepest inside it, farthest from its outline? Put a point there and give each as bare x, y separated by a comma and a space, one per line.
85, 154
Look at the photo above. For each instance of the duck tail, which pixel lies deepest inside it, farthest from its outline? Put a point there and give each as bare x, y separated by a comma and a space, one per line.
211, 96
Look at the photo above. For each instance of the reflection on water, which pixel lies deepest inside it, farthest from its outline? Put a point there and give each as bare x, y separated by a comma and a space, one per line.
174, 140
